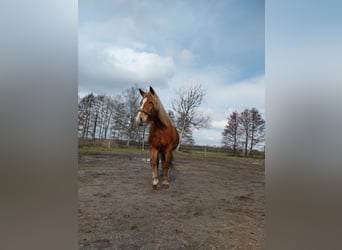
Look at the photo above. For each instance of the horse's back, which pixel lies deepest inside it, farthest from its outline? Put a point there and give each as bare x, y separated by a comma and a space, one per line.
176, 136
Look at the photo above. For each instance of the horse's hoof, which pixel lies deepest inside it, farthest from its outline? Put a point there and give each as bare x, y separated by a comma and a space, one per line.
155, 187
165, 186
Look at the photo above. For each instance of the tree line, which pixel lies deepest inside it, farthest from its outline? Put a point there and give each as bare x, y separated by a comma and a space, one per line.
113, 117
244, 131
107, 117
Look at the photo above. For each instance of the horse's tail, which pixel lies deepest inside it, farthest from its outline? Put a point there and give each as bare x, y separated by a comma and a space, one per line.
158, 159
172, 165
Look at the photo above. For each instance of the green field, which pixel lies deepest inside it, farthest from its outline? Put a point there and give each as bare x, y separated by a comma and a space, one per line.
190, 153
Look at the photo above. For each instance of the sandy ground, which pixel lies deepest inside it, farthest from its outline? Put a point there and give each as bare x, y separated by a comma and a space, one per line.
211, 204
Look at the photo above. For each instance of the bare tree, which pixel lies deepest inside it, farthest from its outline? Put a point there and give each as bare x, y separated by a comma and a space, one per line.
97, 116
245, 122
186, 112
244, 130
231, 132
85, 111
172, 116
125, 107
119, 122
257, 129
107, 114
132, 98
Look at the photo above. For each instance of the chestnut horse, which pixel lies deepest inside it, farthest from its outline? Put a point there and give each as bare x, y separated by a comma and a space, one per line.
163, 137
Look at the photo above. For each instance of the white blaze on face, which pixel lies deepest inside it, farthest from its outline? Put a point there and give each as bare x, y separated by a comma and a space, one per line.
139, 119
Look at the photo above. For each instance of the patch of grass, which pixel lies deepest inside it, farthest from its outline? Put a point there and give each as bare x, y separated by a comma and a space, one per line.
219, 155
97, 148
196, 154
92, 148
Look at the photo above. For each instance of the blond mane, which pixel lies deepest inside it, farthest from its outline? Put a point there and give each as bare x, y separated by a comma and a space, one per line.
162, 114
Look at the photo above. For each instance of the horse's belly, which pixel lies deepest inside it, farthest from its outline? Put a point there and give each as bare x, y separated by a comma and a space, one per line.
161, 143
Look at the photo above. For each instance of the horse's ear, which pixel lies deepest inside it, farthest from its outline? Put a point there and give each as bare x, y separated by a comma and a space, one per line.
142, 93
152, 90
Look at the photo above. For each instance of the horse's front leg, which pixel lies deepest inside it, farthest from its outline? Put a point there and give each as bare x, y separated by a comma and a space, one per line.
154, 168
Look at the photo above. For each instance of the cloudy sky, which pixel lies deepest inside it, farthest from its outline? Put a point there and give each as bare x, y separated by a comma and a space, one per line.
174, 44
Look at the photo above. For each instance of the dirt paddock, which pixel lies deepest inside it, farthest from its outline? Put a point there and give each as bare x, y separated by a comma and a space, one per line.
210, 204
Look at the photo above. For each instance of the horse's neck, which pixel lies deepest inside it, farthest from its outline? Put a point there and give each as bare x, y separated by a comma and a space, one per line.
156, 121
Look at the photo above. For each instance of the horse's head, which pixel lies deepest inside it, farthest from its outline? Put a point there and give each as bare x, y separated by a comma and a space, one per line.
147, 108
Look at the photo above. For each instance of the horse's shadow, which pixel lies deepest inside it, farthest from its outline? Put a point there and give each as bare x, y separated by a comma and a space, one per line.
173, 174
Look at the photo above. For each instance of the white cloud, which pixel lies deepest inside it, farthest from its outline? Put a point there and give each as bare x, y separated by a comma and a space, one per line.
219, 125
105, 66
138, 66
210, 77
208, 137
240, 95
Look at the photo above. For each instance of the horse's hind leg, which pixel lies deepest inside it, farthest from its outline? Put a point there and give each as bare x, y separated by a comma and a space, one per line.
154, 164
162, 156
166, 166
158, 157
172, 165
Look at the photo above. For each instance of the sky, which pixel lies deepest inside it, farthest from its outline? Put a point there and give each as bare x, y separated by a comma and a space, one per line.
171, 45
